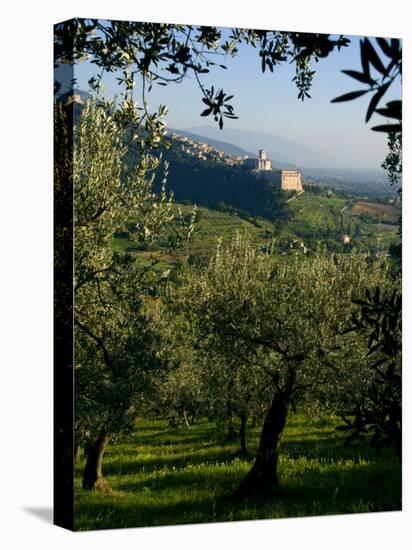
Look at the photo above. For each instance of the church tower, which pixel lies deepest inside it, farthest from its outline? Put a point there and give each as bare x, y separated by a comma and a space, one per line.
264, 162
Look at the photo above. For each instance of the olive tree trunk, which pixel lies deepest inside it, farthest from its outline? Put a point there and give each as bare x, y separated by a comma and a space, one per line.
93, 474
263, 476
186, 418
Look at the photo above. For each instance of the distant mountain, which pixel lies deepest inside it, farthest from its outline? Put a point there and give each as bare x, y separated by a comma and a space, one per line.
228, 148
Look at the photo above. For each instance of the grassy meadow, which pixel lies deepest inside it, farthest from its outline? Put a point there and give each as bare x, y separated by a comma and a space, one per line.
159, 476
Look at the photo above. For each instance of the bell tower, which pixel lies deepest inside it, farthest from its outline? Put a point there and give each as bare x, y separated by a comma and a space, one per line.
264, 162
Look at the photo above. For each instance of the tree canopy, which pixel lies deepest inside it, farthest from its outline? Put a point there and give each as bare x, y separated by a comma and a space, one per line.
284, 323
162, 53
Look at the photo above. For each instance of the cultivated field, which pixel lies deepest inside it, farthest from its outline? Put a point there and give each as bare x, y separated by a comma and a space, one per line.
310, 217
382, 212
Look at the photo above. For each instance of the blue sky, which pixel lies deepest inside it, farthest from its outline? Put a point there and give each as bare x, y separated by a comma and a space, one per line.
268, 103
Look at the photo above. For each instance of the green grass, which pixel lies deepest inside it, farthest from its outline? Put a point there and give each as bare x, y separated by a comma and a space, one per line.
311, 213
162, 476
315, 212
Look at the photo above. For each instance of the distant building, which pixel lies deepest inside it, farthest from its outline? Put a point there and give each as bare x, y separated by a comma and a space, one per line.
290, 180
264, 162
230, 161
345, 239
250, 163
287, 180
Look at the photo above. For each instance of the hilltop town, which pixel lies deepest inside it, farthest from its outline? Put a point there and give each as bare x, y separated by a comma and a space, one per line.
287, 180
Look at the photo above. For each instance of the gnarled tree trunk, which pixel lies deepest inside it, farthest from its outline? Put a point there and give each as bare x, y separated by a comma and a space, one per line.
93, 474
263, 475
185, 418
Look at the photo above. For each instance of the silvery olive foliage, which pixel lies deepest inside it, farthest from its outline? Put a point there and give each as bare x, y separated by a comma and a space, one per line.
267, 316
117, 353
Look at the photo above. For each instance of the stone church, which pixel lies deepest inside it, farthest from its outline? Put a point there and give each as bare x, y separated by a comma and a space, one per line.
288, 180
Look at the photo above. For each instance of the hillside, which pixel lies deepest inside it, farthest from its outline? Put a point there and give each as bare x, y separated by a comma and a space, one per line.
284, 153
206, 184
311, 220
204, 177
368, 182
224, 146
189, 183
211, 225
234, 199
330, 218
238, 143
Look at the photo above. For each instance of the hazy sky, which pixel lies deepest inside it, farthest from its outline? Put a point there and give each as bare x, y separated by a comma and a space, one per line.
268, 103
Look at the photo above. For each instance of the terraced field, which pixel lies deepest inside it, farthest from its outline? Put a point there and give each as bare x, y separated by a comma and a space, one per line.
369, 224
311, 218
211, 226
383, 212
309, 212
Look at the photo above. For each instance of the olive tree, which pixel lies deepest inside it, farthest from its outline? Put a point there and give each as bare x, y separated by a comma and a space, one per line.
376, 408
234, 384
179, 395
117, 352
288, 315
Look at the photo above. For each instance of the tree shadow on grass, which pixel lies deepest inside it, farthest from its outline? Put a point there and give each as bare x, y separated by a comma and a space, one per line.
185, 481
332, 479
333, 448
171, 438
187, 495
292, 501
324, 449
